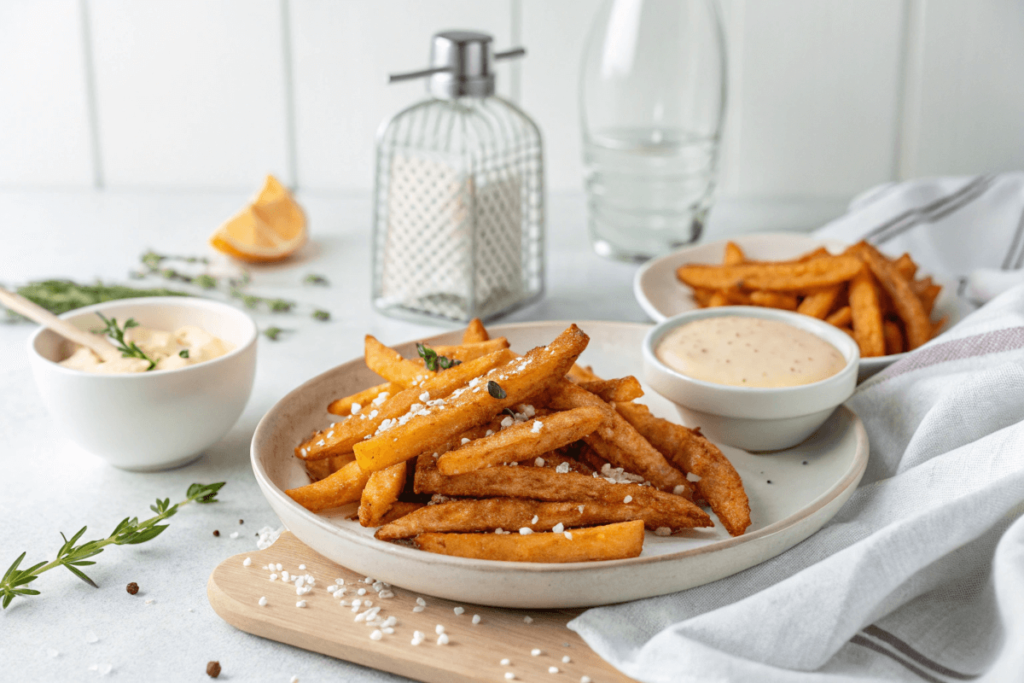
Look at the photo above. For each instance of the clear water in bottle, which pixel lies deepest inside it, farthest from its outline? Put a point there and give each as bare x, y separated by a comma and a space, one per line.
648, 189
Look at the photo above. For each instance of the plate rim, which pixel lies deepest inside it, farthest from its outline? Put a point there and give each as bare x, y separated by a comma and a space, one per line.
851, 477
876, 362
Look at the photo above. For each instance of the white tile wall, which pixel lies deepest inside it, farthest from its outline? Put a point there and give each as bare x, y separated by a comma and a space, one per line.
44, 116
826, 96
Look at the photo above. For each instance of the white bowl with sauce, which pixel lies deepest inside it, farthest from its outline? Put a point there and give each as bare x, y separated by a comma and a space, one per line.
755, 418
156, 420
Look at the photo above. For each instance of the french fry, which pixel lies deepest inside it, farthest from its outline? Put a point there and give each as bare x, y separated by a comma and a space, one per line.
785, 277
733, 254
464, 352
343, 406
611, 542
512, 514
380, 493
819, 303
906, 266
702, 296
718, 299
582, 373
344, 486
390, 365
927, 292
518, 380
866, 315
541, 483
841, 318
475, 332
768, 299
342, 437
908, 306
848, 331
523, 441
617, 441
820, 252
624, 389
321, 469
720, 485
399, 510
893, 337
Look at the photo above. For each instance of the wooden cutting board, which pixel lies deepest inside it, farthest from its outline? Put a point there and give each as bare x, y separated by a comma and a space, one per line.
473, 654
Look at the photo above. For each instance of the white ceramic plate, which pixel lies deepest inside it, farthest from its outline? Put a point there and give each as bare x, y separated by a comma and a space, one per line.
662, 295
809, 484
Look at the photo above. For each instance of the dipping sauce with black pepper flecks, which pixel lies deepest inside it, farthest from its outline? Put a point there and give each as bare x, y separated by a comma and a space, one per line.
749, 352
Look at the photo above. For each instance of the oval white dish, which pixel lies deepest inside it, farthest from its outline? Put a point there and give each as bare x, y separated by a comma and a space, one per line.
662, 295
798, 501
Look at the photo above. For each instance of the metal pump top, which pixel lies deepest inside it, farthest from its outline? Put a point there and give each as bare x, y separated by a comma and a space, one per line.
460, 65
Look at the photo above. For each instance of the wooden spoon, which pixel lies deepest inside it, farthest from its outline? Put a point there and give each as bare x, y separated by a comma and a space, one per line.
19, 304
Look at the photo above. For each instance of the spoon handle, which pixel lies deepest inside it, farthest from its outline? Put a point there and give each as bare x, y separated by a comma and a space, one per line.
20, 304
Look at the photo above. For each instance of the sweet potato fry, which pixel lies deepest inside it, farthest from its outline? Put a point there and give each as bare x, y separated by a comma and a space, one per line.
617, 441
624, 389
768, 299
512, 514
820, 252
818, 304
475, 332
720, 485
464, 352
390, 365
702, 296
523, 441
380, 493
321, 469
541, 483
399, 510
344, 486
910, 309
341, 437
784, 277
841, 318
906, 266
518, 380
893, 337
582, 373
733, 255
611, 542
927, 292
343, 406
866, 314
718, 299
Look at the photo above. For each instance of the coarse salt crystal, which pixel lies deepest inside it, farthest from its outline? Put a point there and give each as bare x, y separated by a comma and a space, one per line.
91, 637
537, 426
562, 468
439, 629
509, 676
476, 619
278, 566
584, 679
150, 601
459, 610
305, 452
285, 576
489, 432
566, 660
507, 422
505, 662
385, 594
356, 408
390, 621
340, 582
679, 490
580, 508
388, 630
321, 442
568, 534
552, 669
421, 601
534, 520
361, 591
663, 531
330, 434
52, 652
558, 528
539, 462
247, 562
377, 634
442, 639
464, 441
263, 602
627, 499
528, 620
300, 603
273, 577
526, 531
418, 608
302, 566
535, 652
234, 534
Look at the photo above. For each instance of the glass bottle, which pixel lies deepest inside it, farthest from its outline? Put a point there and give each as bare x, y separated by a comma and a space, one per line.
459, 211
652, 99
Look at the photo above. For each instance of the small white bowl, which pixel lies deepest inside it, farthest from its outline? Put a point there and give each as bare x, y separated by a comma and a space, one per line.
751, 418
153, 420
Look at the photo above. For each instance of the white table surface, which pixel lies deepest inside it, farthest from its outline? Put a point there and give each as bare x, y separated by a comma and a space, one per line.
48, 485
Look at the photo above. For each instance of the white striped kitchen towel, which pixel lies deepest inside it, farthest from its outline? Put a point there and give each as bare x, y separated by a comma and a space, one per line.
967, 231
919, 577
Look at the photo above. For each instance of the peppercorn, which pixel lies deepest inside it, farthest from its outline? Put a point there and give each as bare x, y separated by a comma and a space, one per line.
216, 533
213, 669
132, 588
241, 521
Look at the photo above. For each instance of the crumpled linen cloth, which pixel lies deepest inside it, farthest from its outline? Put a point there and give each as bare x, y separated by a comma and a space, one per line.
919, 577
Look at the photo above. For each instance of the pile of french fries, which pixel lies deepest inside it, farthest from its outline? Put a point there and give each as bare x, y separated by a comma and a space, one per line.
873, 298
475, 451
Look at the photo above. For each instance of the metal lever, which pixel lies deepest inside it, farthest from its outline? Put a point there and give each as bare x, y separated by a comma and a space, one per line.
410, 75
511, 54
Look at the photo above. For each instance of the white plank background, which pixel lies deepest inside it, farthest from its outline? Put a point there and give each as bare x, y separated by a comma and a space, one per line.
827, 97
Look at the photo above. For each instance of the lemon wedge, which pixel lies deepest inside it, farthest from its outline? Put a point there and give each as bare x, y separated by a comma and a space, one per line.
271, 228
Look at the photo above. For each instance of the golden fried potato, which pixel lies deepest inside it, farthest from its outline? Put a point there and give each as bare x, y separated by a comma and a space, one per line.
780, 277
611, 542
475, 332
733, 254
381, 492
818, 304
866, 315
624, 389
390, 365
468, 351
344, 486
343, 406
908, 306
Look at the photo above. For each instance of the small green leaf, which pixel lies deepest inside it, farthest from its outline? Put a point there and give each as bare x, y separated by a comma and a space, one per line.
25, 591
183, 353
495, 390
14, 567
81, 575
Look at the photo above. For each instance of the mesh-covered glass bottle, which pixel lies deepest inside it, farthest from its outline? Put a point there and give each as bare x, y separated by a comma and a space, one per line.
459, 200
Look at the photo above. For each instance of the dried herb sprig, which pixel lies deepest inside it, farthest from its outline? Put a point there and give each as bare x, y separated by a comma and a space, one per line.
130, 531
115, 332
434, 362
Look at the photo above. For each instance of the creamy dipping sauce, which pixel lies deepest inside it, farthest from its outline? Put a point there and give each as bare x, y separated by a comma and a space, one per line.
164, 347
749, 352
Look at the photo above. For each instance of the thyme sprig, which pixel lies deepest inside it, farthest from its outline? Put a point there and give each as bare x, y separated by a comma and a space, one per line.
434, 362
115, 332
130, 531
